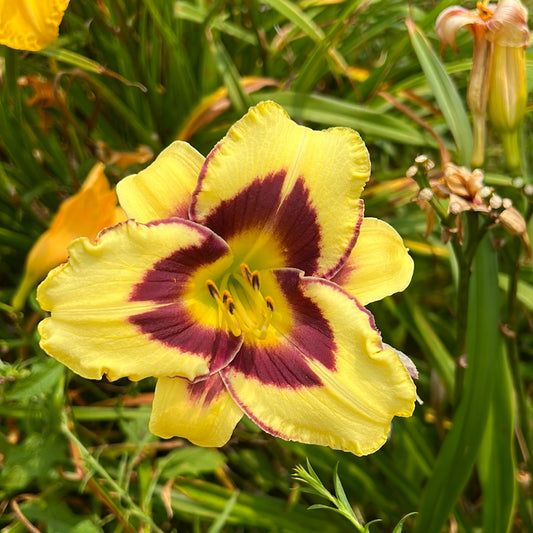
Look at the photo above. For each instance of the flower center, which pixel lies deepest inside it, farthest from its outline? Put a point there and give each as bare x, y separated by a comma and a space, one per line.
242, 308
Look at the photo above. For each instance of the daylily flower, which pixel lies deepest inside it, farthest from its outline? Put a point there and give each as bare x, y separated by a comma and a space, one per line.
30, 24
240, 285
498, 77
86, 213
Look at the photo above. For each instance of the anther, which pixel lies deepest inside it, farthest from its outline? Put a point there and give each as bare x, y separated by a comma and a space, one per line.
256, 281
269, 302
246, 272
212, 288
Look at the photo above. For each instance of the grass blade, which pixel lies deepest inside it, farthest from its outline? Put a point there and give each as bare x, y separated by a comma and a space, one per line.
444, 91
496, 462
461, 447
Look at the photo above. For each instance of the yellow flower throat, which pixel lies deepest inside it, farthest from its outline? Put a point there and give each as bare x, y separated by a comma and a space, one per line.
241, 305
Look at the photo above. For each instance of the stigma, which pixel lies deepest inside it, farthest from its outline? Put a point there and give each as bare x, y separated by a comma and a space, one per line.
242, 308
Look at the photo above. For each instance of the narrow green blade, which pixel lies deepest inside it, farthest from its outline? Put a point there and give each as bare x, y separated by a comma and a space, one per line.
460, 449
444, 91
496, 463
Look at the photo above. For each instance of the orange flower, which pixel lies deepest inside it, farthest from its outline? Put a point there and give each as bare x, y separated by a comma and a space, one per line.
30, 24
91, 209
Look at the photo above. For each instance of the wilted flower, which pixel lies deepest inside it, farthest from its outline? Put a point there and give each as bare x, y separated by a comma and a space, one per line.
239, 284
90, 210
463, 187
498, 77
513, 222
30, 24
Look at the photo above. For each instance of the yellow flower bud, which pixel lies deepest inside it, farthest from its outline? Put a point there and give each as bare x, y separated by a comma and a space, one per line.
509, 35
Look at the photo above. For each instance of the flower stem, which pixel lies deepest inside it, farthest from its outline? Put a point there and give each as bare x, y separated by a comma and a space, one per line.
511, 151
509, 330
95, 466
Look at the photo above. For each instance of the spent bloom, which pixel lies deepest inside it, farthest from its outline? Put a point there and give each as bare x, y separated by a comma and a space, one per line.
85, 214
239, 282
30, 24
498, 78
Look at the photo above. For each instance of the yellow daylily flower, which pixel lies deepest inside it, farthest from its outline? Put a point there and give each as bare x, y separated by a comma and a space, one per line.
240, 284
91, 209
498, 77
30, 24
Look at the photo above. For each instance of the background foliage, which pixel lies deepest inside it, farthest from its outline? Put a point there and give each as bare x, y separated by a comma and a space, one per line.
75, 455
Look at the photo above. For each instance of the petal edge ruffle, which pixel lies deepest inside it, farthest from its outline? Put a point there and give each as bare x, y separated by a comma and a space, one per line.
319, 168
379, 264
349, 404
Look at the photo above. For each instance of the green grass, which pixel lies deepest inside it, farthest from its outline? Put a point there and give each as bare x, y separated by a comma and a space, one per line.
76, 455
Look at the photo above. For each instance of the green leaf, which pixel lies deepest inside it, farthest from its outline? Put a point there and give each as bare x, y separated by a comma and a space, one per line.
461, 447
44, 376
524, 292
496, 463
444, 91
228, 71
58, 517
399, 526
339, 490
219, 523
292, 12
436, 352
250, 512
190, 461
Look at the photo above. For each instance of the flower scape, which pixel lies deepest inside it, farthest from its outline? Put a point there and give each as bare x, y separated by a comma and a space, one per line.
239, 282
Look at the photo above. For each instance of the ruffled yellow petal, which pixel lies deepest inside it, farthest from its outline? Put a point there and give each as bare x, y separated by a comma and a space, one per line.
84, 214
344, 398
164, 188
310, 180
119, 306
379, 264
30, 24
203, 413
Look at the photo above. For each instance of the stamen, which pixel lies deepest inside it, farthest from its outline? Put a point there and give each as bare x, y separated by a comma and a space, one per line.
241, 306
246, 272
256, 280
212, 288
269, 302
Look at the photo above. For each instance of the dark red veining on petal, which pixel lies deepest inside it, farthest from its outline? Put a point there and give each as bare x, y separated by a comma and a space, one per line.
252, 207
296, 226
206, 391
310, 331
291, 221
286, 363
167, 279
281, 365
171, 324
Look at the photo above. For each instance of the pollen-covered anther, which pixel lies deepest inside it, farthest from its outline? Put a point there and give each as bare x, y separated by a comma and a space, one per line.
226, 308
241, 305
212, 288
